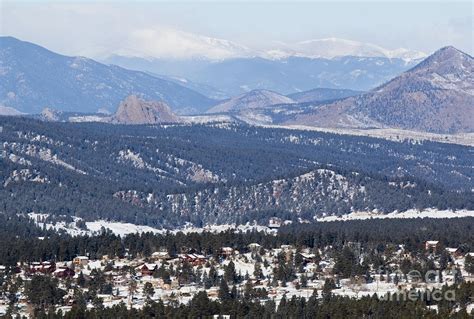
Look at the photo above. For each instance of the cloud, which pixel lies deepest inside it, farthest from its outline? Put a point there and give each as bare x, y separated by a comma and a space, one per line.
98, 29
169, 43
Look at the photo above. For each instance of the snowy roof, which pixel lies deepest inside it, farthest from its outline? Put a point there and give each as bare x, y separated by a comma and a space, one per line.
451, 250
160, 254
150, 266
60, 270
307, 255
95, 264
432, 242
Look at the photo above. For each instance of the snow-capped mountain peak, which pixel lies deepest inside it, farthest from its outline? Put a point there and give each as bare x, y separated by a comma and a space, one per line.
176, 44
335, 47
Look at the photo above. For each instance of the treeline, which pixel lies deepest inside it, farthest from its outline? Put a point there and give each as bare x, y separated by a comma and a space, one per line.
330, 306
412, 233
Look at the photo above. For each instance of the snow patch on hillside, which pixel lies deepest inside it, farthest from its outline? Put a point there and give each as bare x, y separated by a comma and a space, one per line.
122, 229
412, 213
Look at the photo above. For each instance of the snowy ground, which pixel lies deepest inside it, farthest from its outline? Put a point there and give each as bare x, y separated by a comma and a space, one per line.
397, 135
428, 213
123, 229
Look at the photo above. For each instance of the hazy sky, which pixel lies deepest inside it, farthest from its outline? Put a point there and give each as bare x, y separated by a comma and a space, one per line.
96, 29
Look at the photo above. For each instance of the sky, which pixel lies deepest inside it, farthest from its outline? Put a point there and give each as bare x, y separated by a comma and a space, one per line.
179, 29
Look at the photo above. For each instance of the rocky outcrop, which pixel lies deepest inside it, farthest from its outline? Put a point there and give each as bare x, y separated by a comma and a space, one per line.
134, 110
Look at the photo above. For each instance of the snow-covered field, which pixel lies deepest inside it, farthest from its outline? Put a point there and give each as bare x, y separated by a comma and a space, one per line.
391, 134
428, 213
123, 229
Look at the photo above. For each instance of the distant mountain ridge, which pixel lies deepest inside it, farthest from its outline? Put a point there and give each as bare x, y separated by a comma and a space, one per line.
207, 48
251, 100
32, 77
322, 94
285, 75
330, 48
436, 96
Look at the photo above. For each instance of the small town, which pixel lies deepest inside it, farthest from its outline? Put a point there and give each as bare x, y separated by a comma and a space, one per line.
254, 272
237, 159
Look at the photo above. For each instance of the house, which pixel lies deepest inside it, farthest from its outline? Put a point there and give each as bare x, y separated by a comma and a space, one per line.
308, 258
254, 247
227, 251
275, 223
286, 247
194, 259
160, 255
119, 265
213, 292
432, 245
64, 272
80, 261
455, 252
45, 267
147, 269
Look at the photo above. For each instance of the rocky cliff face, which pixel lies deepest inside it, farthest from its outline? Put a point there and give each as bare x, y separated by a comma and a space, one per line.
134, 110
435, 96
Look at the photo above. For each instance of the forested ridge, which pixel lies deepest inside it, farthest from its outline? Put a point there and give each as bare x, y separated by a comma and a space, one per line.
171, 174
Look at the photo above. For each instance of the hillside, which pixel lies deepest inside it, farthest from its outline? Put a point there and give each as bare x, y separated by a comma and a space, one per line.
322, 94
251, 100
33, 77
435, 96
219, 173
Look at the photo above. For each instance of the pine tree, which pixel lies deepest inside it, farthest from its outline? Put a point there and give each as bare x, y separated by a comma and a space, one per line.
224, 293
148, 290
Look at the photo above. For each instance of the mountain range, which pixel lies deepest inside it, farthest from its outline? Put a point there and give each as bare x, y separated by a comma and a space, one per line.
151, 44
232, 69
286, 75
335, 47
437, 96
251, 100
32, 77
